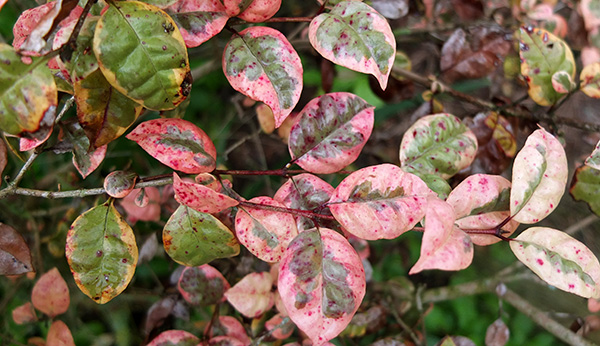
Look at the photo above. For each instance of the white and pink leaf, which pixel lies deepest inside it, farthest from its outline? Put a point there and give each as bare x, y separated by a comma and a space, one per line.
200, 197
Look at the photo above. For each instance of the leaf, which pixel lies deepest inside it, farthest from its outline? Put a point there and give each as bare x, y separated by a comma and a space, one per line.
3, 156
496, 143
438, 144
559, 259
161, 3
330, 132
265, 233
379, 202
321, 282
260, 63
227, 325
497, 334
585, 187
437, 184
542, 55
15, 256
36, 38
59, 334
134, 36
562, 82
27, 21
444, 246
590, 80
200, 197
103, 112
590, 13
265, 117
391, 9
158, 313
175, 337
50, 294
149, 249
28, 95
593, 305
203, 285
280, 327
540, 173
306, 192
119, 184
252, 295
192, 238
254, 11
355, 36
198, 20
149, 212
86, 161
101, 252
176, 143
481, 201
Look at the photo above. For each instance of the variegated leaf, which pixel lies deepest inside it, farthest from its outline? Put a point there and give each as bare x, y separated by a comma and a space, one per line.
254, 11
252, 295
203, 285
590, 80
585, 187
119, 184
200, 197
198, 20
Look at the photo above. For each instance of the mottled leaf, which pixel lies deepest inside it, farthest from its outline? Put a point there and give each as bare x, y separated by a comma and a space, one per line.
357, 37
102, 253
24, 314
176, 143
559, 259
134, 36
149, 211
280, 327
192, 238
15, 256
496, 140
260, 63
50, 294
254, 11
85, 160
438, 144
27, 21
198, 20
543, 55
585, 187
562, 82
227, 325
252, 295
321, 282
265, 233
200, 197
26, 144
436, 183
379, 202
497, 334
59, 334
444, 246
330, 132
28, 95
225, 341
175, 337
41, 28
590, 80
540, 173
202, 285
119, 184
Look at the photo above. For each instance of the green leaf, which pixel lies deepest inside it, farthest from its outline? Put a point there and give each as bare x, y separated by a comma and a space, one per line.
586, 187
542, 56
436, 184
28, 95
101, 252
193, 238
438, 144
142, 54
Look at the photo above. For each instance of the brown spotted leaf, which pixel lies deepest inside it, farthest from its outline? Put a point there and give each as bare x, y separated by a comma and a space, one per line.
50, 294
15, 256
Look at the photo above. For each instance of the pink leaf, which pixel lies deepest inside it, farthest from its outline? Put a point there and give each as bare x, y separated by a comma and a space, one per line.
27, 21
265, 233
225, 341
198, 20
24, 314
203, 285
280, 327
87, 163
174, 337
228, 326
59, 335
252, 295
258, 11
593, 305
321, 282
50, 294
26, 144
330, 132
151, 212
445, 246
262, 64
176, 143
355, 36
379, 202
119, 184
200, 197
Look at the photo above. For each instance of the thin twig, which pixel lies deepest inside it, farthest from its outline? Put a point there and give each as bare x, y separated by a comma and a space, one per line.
298, 212
590, 219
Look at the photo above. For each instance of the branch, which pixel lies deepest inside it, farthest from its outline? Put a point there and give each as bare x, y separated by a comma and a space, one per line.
299, 212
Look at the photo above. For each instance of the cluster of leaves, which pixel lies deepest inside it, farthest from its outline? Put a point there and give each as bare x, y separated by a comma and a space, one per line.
119, 58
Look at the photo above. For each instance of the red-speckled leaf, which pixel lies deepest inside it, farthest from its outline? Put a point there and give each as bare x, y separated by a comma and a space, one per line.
481, 202
252, 295
198, 20
379, 202
192, 238
134, 36
102, 253
304, 191
590, 80
175, 338
330, 132
444, 246
262, 64
228, 326
254, 11
119, 184
438, 144
24, 314
540, 173
321, 282
86, 161
59, 334
28, 95
15, 256
355, 36
542, 55
148, 211
202, 285
44, 24
50, 294
200, 197
27, 21
280, 327
176, 143
265, 233
559, 259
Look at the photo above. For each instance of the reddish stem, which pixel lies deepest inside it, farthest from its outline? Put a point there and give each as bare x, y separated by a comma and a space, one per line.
299, 212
